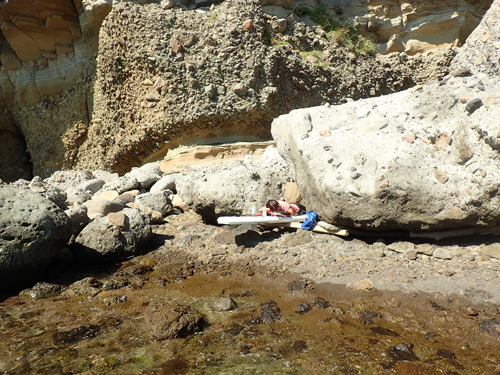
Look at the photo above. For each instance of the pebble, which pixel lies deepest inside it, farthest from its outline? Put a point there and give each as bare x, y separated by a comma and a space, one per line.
401, 247
425, 249
471, 311
119, 219
491, 251
362, 285
442, 253
224, 304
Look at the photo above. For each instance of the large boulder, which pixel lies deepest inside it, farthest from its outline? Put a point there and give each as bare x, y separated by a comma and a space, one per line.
232, 188
429, 162
32, 231
481, 52
113, 238
423, 159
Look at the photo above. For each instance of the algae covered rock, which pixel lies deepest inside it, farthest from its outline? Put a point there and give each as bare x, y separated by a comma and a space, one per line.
168, 319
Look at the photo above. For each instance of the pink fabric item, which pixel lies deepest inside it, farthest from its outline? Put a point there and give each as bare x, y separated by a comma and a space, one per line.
284, 206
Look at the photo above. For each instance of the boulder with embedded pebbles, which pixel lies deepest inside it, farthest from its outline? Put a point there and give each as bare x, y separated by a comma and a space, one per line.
429, 163
32, 231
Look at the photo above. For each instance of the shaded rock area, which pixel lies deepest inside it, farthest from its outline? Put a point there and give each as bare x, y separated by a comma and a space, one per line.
231, 189
45, 53
32, 231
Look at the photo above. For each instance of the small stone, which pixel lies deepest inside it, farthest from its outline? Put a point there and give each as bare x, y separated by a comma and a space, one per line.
303, 308
362, 285
91, 185
492, 251
210, 90
465, 98
471, 266
440, 176
462, 72
248, 25
473, 105
224, 304
401, 247
146, 82
383, 184
325, 133
152, 98
167, 4
411, 255
240, 89
176, 45
491, 326
471, 311
425, 249
126, 197
109, 195
321, 303
442, 253
375, 253
119, 219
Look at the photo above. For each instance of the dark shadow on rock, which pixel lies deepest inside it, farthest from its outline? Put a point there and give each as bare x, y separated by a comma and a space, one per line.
157, 241
252, 238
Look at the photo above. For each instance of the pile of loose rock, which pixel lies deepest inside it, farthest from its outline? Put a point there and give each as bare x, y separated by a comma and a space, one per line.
100, 215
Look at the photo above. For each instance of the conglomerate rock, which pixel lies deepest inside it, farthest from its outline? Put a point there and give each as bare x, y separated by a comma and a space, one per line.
166, 77
156, 75
32, 231
428, 163
481, 52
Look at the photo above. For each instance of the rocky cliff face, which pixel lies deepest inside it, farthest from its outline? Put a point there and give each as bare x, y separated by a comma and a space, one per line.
156, 75
416, 26
45, 51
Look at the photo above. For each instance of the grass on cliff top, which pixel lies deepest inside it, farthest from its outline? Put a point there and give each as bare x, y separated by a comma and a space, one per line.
341, 33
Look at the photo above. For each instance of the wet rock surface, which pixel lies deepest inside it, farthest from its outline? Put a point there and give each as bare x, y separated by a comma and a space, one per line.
145, 323
168, 319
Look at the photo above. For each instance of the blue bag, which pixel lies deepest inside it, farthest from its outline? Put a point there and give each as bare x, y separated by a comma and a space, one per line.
310, 222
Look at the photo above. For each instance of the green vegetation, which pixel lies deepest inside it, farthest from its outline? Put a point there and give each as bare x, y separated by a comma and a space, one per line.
320, 16
341, 33
317, 58
281, 43
214, 16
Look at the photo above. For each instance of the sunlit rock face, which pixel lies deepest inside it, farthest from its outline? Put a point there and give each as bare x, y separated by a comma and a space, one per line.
41, 50
45, 54
75, 94
417, 26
